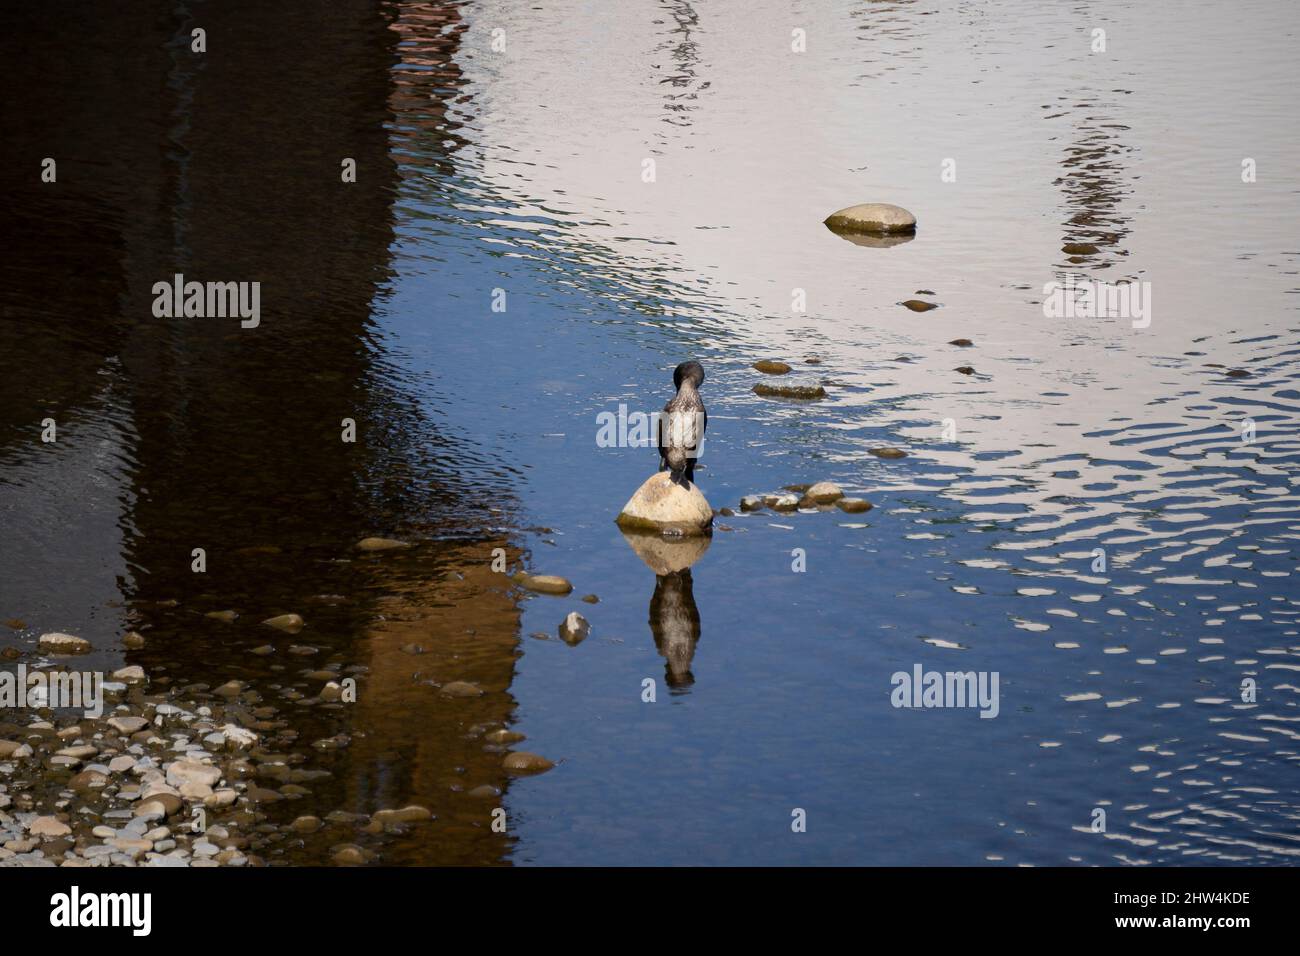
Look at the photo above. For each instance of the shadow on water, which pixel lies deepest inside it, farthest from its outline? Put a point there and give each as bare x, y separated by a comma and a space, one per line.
196, 433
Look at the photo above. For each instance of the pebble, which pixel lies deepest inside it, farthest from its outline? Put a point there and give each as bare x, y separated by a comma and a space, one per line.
854, 505
772, 367
49, 826
226, 617
574, 629
543, 583
291, 623
917, 305
799, 392
189, 771
824, 492
521, 761
872, 217
56, 643
381, 544
460, 688
888, 452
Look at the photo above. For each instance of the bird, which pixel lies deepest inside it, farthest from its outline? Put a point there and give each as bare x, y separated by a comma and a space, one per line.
682, 425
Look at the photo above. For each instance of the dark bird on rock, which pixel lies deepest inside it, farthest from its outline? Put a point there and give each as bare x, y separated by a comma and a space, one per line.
682, 426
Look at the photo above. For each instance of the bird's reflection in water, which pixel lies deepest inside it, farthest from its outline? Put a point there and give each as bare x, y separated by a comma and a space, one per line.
674, 617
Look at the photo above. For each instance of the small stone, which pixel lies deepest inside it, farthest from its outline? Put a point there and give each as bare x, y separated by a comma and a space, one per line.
49, 827
121, 764
381, 544
751, 503
411, 814
962, 343
783, 502
590, 599
88, 780
1080, 249
854, 505
460, 688
349, 856
805, 393
291, 623
221, 798
128, 725
965, 369
483, 792
306, 824
824, 492
521, 761
162, 802
888, 452
131, 675
872, 217
190, 771
574, 629
56, 643
916, 305
133, 641
9, 747
543, 583
231, 688
225, 617
263, 651
772, 367
504, 737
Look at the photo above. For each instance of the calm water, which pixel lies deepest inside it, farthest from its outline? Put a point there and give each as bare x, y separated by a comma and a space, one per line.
521, 170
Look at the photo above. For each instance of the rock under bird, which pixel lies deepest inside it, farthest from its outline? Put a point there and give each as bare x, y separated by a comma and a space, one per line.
682, 426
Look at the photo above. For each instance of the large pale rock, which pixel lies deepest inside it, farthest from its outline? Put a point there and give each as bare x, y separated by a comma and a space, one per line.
661, 506
880, 218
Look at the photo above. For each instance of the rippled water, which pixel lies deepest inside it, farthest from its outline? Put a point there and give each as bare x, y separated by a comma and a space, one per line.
522, 170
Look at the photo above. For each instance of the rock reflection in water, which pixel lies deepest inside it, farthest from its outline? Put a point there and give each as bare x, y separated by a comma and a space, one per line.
674, 616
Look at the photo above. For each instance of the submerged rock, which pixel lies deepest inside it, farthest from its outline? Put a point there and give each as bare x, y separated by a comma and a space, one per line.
800, 392
772, 367
854, 506
751, 503
521, 761
380, 544
286, 622
662, 506
888, 452
56, 643
962, 343
1080, 249
543, 583
880, 218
